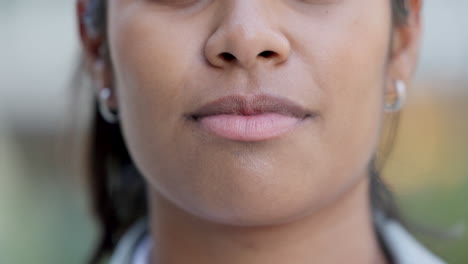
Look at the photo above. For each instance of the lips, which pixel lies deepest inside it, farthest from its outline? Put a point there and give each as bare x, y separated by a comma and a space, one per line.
242, 118
241, 105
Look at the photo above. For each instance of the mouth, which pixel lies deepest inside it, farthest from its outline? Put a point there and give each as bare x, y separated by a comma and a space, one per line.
256, 118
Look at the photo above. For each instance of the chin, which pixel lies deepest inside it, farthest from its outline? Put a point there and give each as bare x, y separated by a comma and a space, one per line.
251, 211
248, 198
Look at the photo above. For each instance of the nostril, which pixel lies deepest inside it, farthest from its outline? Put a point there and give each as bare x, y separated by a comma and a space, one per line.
267, 54
227, 56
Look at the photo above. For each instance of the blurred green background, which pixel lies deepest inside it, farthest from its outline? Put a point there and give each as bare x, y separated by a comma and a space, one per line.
44, 216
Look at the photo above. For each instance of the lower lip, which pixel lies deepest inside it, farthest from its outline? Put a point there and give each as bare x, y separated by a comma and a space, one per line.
249, 128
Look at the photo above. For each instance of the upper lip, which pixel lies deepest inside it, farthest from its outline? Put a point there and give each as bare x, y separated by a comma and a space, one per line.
253, 105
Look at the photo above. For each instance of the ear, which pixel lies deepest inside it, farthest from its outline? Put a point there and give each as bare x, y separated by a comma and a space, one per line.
404, 49
94, 46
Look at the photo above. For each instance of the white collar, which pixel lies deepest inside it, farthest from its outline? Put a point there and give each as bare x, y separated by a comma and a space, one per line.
142, 252
402, 246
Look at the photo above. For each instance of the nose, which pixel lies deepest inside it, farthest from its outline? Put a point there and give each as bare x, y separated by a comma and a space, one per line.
244, 37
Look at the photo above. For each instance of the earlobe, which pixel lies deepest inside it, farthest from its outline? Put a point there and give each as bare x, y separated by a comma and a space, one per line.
404, 50
402, 59
105, 93
101, 74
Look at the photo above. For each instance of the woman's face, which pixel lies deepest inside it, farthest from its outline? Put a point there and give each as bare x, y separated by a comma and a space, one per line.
171, 57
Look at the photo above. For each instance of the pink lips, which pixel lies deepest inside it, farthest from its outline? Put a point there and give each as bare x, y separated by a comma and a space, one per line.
256, 118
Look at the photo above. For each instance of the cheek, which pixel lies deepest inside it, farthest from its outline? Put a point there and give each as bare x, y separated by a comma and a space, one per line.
351, 69
150, 80
346, 55
151, 64
143, 60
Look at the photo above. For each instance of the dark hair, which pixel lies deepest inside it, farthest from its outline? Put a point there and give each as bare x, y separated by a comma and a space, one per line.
118, 192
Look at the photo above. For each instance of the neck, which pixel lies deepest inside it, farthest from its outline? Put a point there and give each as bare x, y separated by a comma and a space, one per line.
340, 233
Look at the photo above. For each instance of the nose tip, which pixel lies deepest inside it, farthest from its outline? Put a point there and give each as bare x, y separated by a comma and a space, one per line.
246, 45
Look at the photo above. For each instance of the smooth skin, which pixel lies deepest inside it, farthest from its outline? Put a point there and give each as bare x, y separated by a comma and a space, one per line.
301, 198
